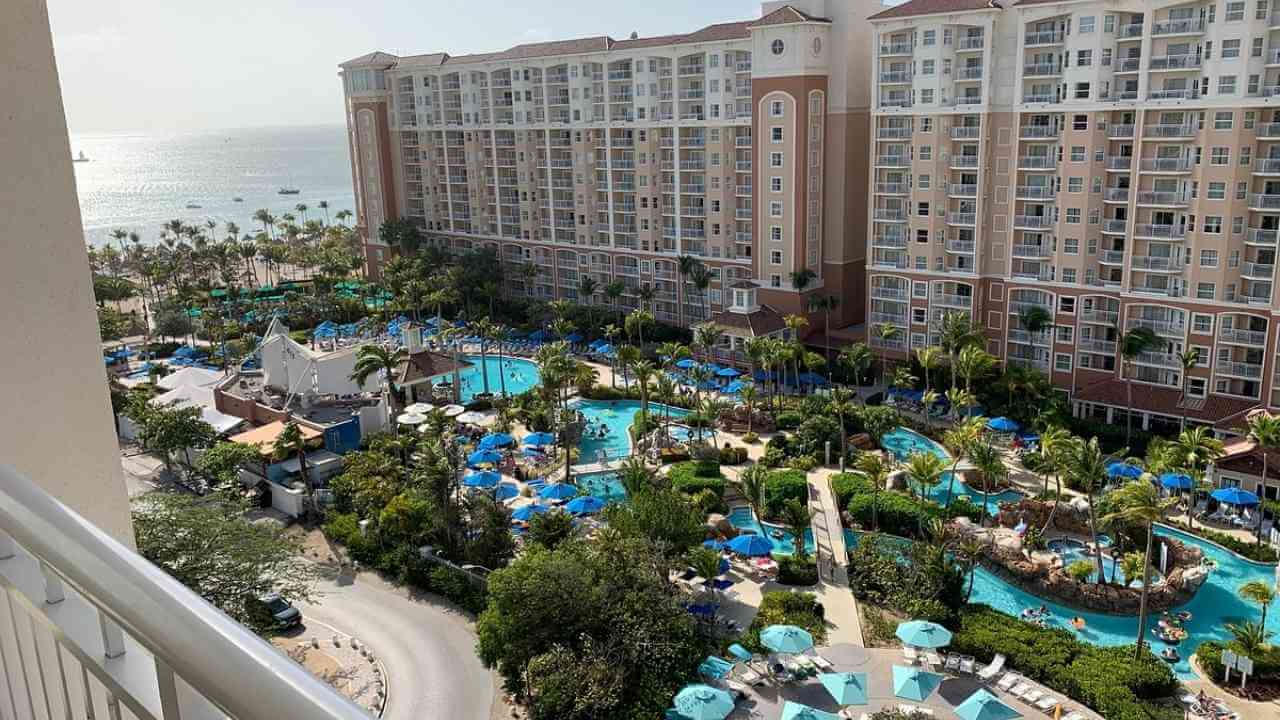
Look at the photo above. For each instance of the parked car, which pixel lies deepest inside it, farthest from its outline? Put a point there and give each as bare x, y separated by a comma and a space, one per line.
280, 611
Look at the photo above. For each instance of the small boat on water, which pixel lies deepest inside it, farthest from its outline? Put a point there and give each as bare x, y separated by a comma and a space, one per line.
193, 206
289, 191
80, 158
237, 199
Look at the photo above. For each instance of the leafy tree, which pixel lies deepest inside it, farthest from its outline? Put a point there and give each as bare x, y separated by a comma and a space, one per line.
751, 485
797, 517
1081, 570
402, 234
1140, 503
368, 481
705, 561
565, 684
665, 518
219, 466
113, 324
490, 543
1259, 592
205, 544
1249, 636
168, 429
372, 358
549, 529
1264, 429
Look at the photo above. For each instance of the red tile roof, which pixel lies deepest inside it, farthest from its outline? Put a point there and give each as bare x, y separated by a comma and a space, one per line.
787, 15
426, 364
1167, 401
935, 7
1245, 457
761, 322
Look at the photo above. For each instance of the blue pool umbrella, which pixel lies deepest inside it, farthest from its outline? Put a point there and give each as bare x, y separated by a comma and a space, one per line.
786, 639
923, 634
480, 457
734, 387
703, 702
539, 439
1235, 496
482, 479
714, 667
982, 705
495, 440
1002, 424
585, 505
751, 545
1176, 481
558, 491
605, 349
505, 491
1123, 470
573, 337
716, 545
728, 372
763, 375
686, 363
796, 711
533, 451
809, 378
914, 683
739, 652
525, 512
846, 688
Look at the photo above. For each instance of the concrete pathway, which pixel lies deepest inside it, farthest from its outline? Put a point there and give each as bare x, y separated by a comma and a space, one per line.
843, 617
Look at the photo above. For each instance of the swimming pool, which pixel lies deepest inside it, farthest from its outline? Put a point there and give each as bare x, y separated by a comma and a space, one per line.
904, 443
518, 374
1071, 550
1216, 604
615, 416
744, 519
604, 485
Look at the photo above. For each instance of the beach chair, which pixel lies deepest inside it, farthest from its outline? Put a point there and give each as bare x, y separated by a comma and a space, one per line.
927, 712
1047, 704
1074, 715
933, 659
990, 671
1032, 696
751, 677
953, 663
1021, 689
823, 663
1008, 681
966, 665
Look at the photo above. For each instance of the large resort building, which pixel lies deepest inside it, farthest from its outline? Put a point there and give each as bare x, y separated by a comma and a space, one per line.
1115, 163
740, 144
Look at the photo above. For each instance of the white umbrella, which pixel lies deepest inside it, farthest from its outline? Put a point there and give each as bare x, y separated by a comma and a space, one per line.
420, 408
453, 410
411, 418
472, 418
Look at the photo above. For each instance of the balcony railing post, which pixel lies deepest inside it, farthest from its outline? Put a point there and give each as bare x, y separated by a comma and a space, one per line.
54, 593
112, 636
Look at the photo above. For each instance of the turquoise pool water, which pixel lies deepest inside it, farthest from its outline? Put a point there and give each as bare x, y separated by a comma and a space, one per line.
745, 520
904, 443
603, 485
518, 374
1216, 604
1072, 550
615, 416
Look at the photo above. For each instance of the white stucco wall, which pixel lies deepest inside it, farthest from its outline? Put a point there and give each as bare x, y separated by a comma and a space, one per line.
55, 425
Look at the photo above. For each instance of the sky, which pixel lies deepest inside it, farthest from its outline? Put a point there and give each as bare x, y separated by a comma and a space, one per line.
172, 65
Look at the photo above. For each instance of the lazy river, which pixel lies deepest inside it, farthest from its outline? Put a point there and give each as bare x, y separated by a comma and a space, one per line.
615, 417
904, 443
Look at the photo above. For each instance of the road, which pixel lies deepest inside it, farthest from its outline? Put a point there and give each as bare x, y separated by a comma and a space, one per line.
427, 648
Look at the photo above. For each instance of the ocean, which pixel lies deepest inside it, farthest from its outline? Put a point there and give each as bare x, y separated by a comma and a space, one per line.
137, 182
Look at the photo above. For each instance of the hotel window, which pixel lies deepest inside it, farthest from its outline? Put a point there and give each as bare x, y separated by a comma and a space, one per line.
1079, 122
922, 182
1109, 23
775, 257
926, 97
1106, 58
1254, 81
1242, 189
1082, 91
775, 281
1091, 247
1095, 216
1071, 246
1213, 224
1075, 185
922, 209
926, 124
930, 38
775, 108
1237, 225
1201, 324
775, 233
1209, 258
1235, 11
1078, 154
775, 134
1230, 49
1220, 156
1222, 120
1217, 191
1084, 58
920, 290
1249, 116
775, 209
1262, 10
1255, 47
1062, 362
1073, 216
1069, 275
775, 184
919, 316
1246, 156
1227, 85
926, 67
1196, 387
1087, 24
775, 159
1206, 290
926, 152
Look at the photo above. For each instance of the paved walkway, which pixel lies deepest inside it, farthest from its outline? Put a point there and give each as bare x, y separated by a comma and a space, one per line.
843, 617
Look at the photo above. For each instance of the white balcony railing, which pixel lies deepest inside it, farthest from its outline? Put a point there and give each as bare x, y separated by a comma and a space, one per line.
114, 636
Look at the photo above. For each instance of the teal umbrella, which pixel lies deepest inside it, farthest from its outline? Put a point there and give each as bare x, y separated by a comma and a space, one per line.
703, 702
914, 684
786, 639
982, 705
923, 634
796, 711
846, 688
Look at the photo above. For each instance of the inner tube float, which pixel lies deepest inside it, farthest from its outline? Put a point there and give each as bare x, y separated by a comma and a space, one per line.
775, 534
1170, 655
1172, 635
1078, 623
1183, 615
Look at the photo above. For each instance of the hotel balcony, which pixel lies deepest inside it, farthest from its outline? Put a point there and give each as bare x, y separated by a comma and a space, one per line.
1031, 251
965, 132
109, 635
962, 191
1170, 132
1024, 337
1256, 338
1044, 37
893, 161
892, 189
1037, 162
1100, 317
1113, 227
895, 241
964, 162
895, 49
1266, 166
1035, 192
962, 302
1250, 371
1017, 307
894, 215
1039, 98
1260, 236
1178, 27
969, 44
1038, 275
1111, 257
1039, 132
1039, 362
967, 74
964, 247
889, 293
1164, 165
893, 133
893, 101
1041, 69
1165, 198
1264, 203
1032, 222
1128, 65
1190, 93
1115, 195
964, 219
1159, 359
1257, 271
1174, 62
1101, 347
1118, 95
1165, 328
890, 263
893, 344
880, 318
1160, 232
1269, 130
1132, 31
1155, 263
1120, 163
896, 77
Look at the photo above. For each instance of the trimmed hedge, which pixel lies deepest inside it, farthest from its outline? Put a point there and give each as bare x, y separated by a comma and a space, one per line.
900, 514
1249, 549
694, 476
793, 571
1108, 679
781, 486
1266, 665
846, 485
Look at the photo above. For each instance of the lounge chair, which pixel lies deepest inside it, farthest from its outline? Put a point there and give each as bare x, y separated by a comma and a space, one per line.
822, 663
933, 659
1033, 696
1008, 681
1074, 715
1021, 689
910, 655
990, 671
1047, 703
953, 663
927, 712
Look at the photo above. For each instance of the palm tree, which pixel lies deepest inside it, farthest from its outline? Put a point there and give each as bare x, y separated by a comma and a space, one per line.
885, 333
324, 205
924, 469
1132, 344
1188, 359
751, 484
587, 286
1035, 319
685, 265
1264, 429
1259, 592
958, 440
613, 293
1250, 636
636, 322
990, 464
929, 358
291, 442
857, 357
749, 395
1087, 465
876, 468
372, 358
957, 332
646, 294
1055, 443
644, 372
628, 355
795, 324
664, 388
973, 362
1138, 503
1194, 449
842, 406
825, 304
707, 337
802, 279
970, 550
700, 278
486, 330
797, 517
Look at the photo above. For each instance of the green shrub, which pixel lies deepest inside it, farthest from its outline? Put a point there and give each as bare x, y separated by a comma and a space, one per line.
803, 463
916, 579
751, 438
692, 477
786, 608
846, 485
781, 486
815, 432
1247, 548
901, 514
793, 571
733, 455
604, 392
1107, 679
789, 420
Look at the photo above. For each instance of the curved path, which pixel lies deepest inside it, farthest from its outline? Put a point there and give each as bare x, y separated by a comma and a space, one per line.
427, 648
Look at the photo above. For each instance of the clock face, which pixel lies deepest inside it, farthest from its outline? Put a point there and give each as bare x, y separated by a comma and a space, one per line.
817, 46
